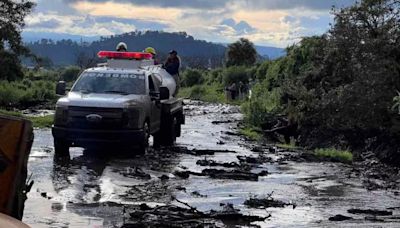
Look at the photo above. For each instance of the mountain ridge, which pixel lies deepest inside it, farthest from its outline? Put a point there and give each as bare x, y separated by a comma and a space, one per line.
64, 49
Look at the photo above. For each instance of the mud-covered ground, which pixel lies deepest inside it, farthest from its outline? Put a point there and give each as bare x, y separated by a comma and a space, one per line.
212, 178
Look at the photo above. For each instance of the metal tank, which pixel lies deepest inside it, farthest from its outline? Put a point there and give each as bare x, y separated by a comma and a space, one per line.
166, 79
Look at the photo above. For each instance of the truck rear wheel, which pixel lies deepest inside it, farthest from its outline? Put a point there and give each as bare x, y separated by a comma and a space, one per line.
61, 148
170, 132
167, 134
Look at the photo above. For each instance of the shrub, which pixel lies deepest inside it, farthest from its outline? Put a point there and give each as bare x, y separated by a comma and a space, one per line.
235, 74
192, 77
263, 104
26, 93
214, 76
9, 94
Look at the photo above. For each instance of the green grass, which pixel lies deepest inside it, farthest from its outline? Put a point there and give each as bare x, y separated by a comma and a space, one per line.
10, 113
344, 156
37, 121
42, 121
292, 146
251, 133
208, 93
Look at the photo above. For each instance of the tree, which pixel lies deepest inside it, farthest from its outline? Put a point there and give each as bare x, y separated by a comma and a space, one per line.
84, 60
242, 52
12, 14
339, 87
344, 82
70, 74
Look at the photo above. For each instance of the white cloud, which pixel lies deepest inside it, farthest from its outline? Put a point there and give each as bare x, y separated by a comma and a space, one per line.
268, 22
77, 25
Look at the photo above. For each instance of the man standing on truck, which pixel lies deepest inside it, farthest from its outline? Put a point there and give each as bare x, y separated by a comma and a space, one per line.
122, 47
172, 67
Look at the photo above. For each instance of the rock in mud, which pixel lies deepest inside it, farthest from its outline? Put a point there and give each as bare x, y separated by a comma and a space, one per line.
257, 149
254, 160
263, 173
232, 175
231, 215
220, 174
164, 178
136, 172
175, 216
196, 152
181, 188
206, 162
339, 218
230, 133
182, 174
198, 194
266, 203
370, 212
221, 121
57, 207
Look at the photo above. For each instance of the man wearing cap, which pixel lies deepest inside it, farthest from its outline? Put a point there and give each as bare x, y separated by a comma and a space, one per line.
172, 67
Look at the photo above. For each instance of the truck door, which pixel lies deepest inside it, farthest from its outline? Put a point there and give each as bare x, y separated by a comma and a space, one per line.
155, 109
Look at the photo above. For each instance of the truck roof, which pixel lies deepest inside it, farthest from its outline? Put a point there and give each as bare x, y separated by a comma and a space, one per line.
116, 70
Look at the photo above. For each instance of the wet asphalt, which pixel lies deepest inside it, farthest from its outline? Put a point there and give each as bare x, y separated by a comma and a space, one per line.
91, 189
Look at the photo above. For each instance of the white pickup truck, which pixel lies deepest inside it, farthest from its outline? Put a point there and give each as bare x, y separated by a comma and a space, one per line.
119, 103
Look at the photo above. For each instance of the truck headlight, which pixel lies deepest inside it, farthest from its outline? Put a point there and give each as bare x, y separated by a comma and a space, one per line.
61, 116
131, 117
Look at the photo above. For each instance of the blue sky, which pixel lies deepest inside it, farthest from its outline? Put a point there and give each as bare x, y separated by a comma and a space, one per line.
265, 22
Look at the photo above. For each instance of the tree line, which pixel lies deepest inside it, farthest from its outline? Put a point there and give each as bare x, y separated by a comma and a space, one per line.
194, 53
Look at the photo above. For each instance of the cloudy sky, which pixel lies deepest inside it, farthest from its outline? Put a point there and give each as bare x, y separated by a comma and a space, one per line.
265, 22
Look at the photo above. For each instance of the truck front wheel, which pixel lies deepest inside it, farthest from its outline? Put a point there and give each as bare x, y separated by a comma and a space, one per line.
61, 148
145, 144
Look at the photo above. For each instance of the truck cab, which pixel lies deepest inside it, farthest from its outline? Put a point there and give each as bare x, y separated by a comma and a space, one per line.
119, 103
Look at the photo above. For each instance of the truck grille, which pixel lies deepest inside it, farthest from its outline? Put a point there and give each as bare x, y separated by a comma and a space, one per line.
111, 118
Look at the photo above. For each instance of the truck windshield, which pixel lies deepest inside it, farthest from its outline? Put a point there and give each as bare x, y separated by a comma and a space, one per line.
119, 83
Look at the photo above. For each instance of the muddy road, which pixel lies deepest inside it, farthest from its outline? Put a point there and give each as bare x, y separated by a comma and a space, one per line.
213, 177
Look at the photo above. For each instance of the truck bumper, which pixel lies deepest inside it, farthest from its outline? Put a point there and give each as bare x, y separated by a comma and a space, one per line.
90, 137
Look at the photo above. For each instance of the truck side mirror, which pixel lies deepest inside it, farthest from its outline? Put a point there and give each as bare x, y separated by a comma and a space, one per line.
164, 93
61, 88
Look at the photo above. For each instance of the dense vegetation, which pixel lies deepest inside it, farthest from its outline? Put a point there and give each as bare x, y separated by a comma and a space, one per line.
338, 88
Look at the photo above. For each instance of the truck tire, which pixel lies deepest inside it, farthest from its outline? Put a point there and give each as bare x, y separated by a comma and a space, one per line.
61, 148
157, 140
167, 134
178, 130
170, 132
145, 144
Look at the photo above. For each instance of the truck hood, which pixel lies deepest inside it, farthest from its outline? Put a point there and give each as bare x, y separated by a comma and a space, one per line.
100, 100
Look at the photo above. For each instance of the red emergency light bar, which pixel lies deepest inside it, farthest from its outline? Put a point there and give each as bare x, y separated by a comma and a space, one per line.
124, 55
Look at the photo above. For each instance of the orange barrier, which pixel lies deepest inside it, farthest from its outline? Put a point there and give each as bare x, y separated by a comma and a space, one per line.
16, 137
